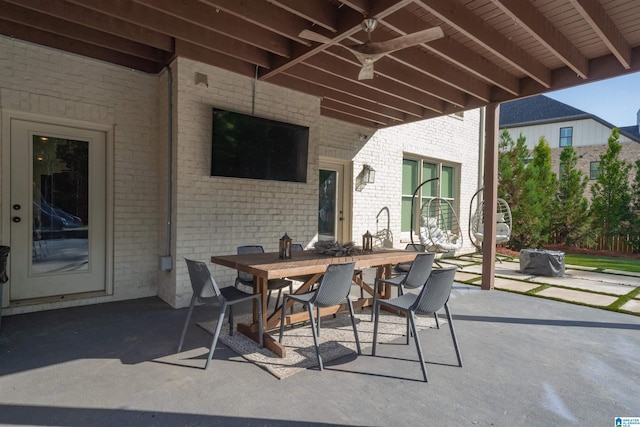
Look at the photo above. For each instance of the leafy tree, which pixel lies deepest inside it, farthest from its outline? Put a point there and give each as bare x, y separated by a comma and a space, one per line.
611, 197
571, 207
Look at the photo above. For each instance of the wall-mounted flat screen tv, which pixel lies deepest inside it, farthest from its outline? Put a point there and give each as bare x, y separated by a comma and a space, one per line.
245, 146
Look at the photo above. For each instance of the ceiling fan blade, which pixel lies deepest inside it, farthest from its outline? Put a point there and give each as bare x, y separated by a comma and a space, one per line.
366, 72
310, 35
401, 42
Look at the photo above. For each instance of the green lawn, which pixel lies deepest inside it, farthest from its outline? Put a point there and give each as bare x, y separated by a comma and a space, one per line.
602, 263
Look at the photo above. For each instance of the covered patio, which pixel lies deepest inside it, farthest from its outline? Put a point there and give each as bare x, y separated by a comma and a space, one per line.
255, 57
527, 361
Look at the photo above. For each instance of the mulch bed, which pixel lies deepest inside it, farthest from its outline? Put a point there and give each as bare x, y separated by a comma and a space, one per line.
583, 251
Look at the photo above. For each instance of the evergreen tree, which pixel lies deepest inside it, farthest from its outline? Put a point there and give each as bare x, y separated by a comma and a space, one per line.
511, 166
528, 189
634, 229
570, 209
543, 183
611, 197
635, 189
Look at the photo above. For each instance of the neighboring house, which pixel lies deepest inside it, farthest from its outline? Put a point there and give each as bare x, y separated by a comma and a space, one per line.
145, 141
563, 126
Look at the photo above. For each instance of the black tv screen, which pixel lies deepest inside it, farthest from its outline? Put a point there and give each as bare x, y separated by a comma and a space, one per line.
245, 146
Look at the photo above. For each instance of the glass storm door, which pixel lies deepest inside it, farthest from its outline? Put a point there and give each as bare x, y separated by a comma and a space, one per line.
330, 202
58, 210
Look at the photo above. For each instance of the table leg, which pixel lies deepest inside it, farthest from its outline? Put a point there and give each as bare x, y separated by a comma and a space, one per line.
251, 330
273, 321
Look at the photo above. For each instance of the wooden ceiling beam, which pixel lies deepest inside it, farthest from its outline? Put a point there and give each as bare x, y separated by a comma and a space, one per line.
339, 115
597, 17
322, 92
348, 24
464, 21
534, 22
355, 112
71, 30
347, 71
158, 21
99, 21
211, 57
604, 67
56, 41
222, 23
263, 15
321, 78
417, 80
321, 13
404, 22
442, 71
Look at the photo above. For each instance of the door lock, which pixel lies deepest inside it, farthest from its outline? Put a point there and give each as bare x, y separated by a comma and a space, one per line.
16, 219
16, 207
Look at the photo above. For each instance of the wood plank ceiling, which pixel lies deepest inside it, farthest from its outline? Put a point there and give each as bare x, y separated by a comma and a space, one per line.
492, 50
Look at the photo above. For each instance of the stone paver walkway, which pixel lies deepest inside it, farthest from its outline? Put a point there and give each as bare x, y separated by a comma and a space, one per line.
582, 285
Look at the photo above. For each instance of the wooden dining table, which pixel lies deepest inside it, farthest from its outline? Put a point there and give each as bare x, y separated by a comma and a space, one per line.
311, 265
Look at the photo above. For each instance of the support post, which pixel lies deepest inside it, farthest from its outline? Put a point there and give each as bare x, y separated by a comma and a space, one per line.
490, 195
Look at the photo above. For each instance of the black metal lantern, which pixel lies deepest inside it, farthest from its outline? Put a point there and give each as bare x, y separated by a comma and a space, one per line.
367, 242
285, 247
368, 174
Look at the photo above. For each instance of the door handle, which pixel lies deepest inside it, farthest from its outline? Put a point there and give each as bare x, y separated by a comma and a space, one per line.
16, 219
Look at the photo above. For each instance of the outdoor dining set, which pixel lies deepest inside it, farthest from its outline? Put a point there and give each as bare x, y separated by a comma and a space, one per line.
325, 290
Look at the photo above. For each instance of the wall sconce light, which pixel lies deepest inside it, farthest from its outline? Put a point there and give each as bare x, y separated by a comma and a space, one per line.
368, 174
284, 251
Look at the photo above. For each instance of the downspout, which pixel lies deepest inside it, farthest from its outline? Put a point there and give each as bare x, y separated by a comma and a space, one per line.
166, 261
481, 143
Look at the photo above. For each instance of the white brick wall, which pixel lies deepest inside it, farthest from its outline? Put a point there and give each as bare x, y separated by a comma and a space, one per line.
55, 85
447, 139
217, 214
213, 215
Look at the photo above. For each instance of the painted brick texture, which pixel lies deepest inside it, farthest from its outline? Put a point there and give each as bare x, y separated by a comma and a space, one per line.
54, 84
214, 215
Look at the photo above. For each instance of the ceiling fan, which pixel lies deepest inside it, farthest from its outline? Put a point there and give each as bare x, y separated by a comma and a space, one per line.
369, 52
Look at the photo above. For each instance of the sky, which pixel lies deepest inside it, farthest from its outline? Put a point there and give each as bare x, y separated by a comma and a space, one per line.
616, 100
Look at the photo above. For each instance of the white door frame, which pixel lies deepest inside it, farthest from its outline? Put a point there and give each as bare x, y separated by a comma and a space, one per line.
345, 188
5, 149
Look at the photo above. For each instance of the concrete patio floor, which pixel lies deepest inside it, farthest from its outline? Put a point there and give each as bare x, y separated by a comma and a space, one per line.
527, 361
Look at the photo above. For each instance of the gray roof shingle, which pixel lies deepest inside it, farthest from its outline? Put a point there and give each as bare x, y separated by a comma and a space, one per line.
537, 109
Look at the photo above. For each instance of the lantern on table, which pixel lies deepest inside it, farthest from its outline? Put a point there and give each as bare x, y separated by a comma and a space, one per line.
285, 247
367, 242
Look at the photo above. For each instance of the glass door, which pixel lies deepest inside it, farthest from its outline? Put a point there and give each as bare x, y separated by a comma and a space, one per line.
333, 213
58, 210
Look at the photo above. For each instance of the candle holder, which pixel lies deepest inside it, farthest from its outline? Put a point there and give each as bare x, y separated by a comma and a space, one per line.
284, 250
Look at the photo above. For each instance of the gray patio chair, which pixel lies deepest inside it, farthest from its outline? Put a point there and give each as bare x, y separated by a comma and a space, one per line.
298, 247
333, 289
206, 290
272, 285
403, 267
413, 279
434, 295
